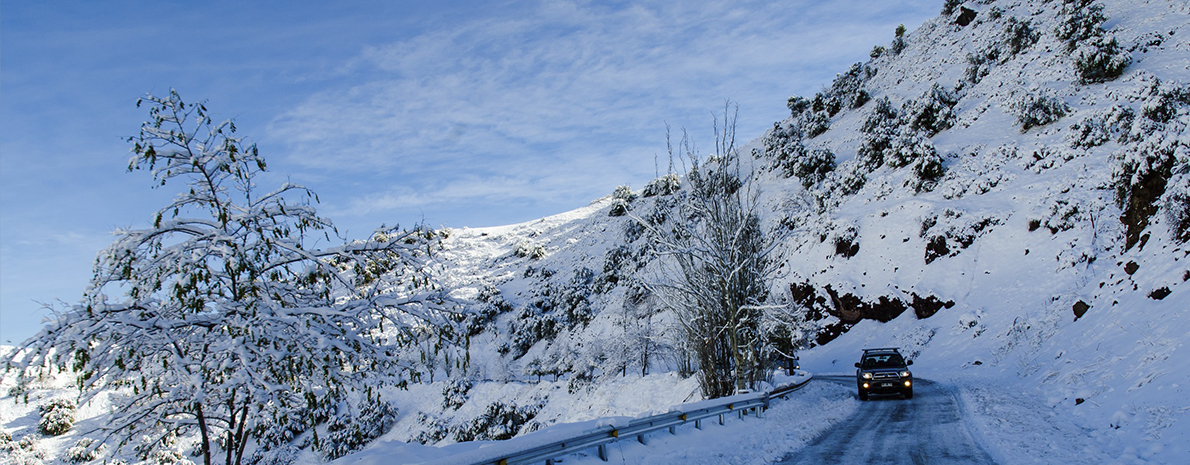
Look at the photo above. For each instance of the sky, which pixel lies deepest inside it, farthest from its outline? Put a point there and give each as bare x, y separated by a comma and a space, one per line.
449, 113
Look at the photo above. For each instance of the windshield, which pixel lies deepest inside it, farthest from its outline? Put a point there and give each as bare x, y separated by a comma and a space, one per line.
883, 361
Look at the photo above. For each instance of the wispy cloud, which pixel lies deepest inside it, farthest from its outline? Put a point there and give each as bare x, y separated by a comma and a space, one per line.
509, 104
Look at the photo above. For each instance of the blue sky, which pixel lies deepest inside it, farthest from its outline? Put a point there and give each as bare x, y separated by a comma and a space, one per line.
449, 112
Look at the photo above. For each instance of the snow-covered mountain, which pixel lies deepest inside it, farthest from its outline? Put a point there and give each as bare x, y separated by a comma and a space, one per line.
1004, 193
1002, 207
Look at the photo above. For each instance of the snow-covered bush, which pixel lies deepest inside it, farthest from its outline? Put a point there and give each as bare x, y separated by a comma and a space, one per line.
1063, 215
847, 88
501, 421
454, 394
23, 451
624, 193
950, 233
57, 417
1176, 203
618, 265
797, 105
664, 185
618, 208
528, 249
552, 309
1113, 124
898, 43
813, 124
168, 456
906, 147
949, 6
432, 429
1079, 20
784, 146
491, 305
1165, 102
1100, 59
1141, 179
878, 132
21, 389
349, 433
285, 454
812, 167
979, 65
83, 451
1038, 109
1017, 36
927, 170
933, 112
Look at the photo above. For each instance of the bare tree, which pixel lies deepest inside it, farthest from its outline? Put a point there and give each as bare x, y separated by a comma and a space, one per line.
716, 265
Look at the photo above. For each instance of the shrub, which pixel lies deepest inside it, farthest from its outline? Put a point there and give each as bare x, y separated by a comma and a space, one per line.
1100, 60
83, 451
454, 395
1101, 128
1164, 105
814, 166
1018, 36
500, 421
813, 124
1177, 209
928, 169
877, 133
618, 208
1034, 110
20, 452
1140, 180
624, 193
979, 66
898, 43
933, 112
797, 105
527, 249
347, 434
876, 52
664, 185
1079, 20
56, 417
949, 6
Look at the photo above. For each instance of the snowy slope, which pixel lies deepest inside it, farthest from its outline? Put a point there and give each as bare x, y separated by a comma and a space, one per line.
1009, 276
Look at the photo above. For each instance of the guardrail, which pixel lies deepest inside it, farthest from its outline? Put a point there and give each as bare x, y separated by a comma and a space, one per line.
600, 437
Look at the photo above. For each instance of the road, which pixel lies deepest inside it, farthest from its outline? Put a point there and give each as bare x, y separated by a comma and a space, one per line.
928, 429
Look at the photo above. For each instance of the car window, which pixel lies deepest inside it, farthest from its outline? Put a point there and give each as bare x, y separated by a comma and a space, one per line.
883, 361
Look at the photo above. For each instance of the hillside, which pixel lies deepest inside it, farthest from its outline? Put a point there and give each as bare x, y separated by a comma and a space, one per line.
1016, 263
1004, 193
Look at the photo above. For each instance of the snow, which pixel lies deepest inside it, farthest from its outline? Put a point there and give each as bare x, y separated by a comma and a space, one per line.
1032, 230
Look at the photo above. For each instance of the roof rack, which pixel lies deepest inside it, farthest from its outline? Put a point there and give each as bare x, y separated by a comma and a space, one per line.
894, 349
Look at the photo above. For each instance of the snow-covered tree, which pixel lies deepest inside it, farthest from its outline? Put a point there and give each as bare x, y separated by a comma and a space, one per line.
223, 319
716, 268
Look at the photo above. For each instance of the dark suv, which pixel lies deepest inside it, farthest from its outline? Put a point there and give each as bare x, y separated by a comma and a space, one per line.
883, 371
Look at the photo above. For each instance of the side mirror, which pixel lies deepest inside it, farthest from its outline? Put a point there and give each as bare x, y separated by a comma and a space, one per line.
857, 364
909, 363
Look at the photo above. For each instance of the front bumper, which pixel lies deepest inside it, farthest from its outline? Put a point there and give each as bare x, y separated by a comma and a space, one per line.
886, 385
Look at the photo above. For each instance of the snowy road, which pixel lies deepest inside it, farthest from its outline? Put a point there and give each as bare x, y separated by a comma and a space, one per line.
926, 429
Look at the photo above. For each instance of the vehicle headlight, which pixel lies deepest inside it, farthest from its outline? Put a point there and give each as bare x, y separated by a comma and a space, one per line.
867, 376
906, 374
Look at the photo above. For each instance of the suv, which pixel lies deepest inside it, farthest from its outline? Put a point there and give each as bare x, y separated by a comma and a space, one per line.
883, 371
